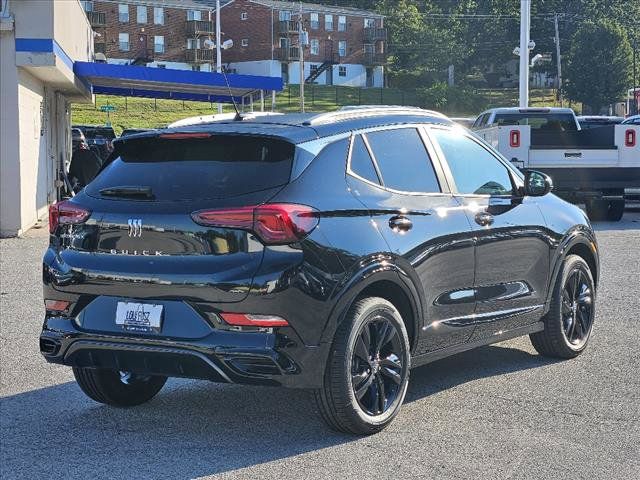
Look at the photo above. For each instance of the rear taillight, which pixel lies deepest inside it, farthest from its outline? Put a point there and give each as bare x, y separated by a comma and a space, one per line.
250, 320
56, 305
514, 138
66, 213
630, 138
275, 223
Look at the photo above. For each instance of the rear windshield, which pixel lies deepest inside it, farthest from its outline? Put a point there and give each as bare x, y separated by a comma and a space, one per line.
551, 122
105, 132
198, 168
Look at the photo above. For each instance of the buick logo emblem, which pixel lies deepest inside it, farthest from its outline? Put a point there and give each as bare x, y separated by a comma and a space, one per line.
135, 227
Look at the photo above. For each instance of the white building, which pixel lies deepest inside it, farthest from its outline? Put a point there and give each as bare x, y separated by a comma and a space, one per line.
39, 41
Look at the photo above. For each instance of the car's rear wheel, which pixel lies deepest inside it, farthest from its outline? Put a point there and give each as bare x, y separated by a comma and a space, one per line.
568, 324
367, 372
120, 389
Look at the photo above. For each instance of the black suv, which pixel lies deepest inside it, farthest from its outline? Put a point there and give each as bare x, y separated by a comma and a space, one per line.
331, 252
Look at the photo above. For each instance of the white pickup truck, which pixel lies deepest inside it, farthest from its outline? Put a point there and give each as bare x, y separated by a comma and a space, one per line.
593, 166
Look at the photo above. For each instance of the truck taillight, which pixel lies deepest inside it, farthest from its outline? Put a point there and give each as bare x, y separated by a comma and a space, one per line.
514, 138
65, 213
274, 223
630, 138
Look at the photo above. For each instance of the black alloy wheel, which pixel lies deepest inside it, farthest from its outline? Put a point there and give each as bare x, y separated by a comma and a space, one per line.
367, 371
376, 366
577, 307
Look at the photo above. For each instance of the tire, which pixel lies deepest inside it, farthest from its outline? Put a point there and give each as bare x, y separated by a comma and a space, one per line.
569, 322
597, 209
363, 395
616, 210
119, 389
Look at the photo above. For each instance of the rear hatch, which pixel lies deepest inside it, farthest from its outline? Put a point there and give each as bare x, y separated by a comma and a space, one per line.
141, 240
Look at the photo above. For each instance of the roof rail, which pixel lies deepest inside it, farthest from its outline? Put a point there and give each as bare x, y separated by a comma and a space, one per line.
364, 111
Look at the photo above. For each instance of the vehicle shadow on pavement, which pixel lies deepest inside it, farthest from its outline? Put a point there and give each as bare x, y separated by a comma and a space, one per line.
194, 429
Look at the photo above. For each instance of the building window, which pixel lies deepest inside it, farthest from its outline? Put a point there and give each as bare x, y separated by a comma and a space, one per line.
284, 15
313, 68
328, 22
193, 43
342, 23
141, 14
342, 71
123, 13
158, 15
158, 44
245, 42
284, 42
315, 21
342, 48
194, 15
123, 42
369, 23
87, 5
195, 68
314, 46
244, 16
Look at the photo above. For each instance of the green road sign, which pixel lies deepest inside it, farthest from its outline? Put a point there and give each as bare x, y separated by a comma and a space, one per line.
107, 108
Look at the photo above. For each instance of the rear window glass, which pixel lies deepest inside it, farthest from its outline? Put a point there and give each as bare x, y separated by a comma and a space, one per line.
551, 122
198, 168
92, 132
361, 163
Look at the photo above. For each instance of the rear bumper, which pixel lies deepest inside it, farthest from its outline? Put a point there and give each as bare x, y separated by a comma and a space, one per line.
222, 356
589, 179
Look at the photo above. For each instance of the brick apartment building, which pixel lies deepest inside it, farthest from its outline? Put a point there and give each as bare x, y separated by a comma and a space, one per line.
346, 46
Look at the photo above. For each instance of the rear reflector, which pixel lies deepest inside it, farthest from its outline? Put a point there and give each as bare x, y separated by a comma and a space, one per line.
514, 138
250, 320
275, 223
65, 213
630, 138
56, 305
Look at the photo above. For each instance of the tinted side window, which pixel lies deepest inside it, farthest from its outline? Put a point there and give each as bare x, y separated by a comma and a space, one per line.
403, 160
474, 169
361, 163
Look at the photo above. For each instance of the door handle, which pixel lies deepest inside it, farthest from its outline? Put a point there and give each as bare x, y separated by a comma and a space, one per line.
400, 223
484, 219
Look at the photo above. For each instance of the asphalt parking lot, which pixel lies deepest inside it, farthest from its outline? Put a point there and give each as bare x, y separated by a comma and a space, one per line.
497, 412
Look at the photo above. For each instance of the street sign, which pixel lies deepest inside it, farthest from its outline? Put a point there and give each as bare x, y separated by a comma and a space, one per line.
107, 108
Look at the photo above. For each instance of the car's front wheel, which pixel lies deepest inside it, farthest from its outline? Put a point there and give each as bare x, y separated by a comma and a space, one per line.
367, 372
568, 324
120, 389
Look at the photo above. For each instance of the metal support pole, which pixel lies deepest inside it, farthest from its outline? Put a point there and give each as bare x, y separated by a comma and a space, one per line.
218, 49
273, 100
559, 64
301, 54
525, 14
262, 100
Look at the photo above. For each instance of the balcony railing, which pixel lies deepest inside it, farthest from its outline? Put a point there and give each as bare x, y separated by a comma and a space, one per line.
373, 58
200, 55
97, 19
287, 54
374, 34
288, 26
198, 27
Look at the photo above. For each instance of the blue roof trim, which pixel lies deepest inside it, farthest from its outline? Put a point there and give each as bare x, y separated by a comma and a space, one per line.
43, 45
137, 92
180, 77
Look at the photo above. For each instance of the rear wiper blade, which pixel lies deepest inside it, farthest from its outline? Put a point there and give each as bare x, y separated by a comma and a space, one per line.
132, 191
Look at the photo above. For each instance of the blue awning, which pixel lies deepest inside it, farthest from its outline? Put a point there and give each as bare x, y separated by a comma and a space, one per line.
135, 81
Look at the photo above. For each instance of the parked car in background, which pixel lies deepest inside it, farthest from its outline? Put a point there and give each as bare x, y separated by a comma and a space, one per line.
99, 138
132, 131
466, 122
78, 142
595, 121
592, 166
331, 252
633, 120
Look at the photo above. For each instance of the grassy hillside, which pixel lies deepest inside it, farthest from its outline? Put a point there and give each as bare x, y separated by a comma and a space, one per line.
149, 113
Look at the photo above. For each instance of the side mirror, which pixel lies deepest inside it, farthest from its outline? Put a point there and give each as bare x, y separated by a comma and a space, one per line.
537, 184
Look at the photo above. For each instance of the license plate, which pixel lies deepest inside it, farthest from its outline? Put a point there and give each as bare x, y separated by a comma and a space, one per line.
139, 317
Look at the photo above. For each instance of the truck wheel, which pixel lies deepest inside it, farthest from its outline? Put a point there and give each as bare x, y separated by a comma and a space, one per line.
120, 389
597, 209
616, 210
367, 373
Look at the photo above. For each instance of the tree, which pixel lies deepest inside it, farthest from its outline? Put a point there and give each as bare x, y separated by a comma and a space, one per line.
599, 64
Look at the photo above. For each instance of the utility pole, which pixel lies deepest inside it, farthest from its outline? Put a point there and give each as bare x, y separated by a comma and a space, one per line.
525, 15
218, 47
301, 55
558, 62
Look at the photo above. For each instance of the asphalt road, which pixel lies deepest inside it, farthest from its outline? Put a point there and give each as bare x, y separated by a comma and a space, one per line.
497, 412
